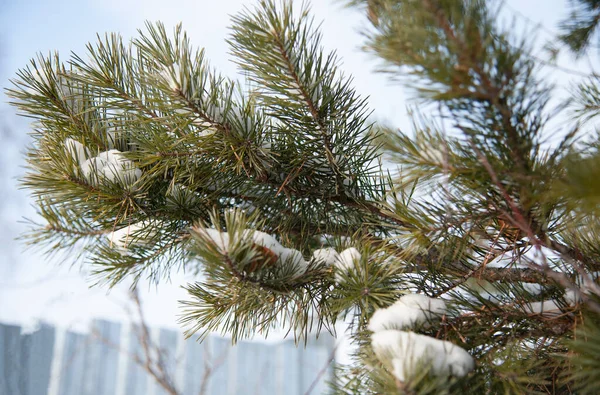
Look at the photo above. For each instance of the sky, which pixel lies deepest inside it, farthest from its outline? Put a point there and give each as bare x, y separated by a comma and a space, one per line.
33, 287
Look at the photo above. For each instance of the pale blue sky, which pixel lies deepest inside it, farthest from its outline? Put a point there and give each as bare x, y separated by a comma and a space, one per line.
30, 26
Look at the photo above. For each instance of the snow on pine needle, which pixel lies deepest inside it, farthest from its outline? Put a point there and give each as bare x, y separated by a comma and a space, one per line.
406, 352
408, 312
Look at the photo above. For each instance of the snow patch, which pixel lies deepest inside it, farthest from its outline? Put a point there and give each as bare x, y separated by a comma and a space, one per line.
409, 311
294, 259
345, 262
405, 351
221, 239
265, 240
138, 233
78, 151
287, 257
327, 256
111, 166
347, 258
171, 75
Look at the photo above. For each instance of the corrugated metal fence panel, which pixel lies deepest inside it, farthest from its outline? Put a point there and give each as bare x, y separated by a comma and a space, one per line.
220, 378
89, 364
101, 359
194, 367
10, 359
37, 350
167, 342
137, 378
72, 372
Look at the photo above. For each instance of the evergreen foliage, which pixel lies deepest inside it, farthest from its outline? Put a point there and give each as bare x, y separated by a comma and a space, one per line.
579, 28
148, 161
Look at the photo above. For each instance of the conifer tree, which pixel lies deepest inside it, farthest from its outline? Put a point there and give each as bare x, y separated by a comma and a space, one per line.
473, 268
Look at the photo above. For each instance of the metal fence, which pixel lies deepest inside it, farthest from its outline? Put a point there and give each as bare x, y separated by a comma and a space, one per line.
51, 361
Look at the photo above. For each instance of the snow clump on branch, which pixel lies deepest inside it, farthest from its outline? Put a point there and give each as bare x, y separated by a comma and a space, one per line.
138, 233
326, 256
343, 262
409, 311
286, 257
78, 151
110, 165
407, 351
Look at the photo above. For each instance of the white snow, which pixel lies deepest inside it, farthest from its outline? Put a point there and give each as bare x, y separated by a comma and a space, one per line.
293, 258
265, 240
221, 239
172, 76
345, 262
346, 258
137, 232
78, 151
406, 351
112, 166
286, 256
327, 256
409, 311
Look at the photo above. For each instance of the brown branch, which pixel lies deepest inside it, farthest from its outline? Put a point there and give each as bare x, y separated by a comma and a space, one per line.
526, 275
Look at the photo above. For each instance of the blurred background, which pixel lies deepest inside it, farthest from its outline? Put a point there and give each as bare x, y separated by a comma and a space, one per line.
35, 289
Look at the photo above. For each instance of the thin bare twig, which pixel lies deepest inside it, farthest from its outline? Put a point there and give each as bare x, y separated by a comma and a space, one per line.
209, 368
323, 370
